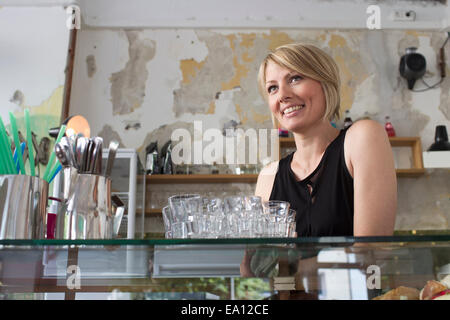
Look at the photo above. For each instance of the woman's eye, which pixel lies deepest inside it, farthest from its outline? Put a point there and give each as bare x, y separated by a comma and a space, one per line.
296, 78
271, 89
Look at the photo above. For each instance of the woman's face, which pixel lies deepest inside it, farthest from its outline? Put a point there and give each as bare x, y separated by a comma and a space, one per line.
296, 102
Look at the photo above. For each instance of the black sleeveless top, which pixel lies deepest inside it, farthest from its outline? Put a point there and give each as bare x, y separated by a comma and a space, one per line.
324, 199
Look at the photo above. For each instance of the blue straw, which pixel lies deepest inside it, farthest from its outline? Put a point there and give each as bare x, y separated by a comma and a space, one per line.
22, 146
58, 169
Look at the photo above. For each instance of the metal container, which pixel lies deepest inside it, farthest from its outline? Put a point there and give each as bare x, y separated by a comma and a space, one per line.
23, 207
88, 213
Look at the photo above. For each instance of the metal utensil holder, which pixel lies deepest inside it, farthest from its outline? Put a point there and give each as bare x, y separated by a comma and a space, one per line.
87, 214
23, 207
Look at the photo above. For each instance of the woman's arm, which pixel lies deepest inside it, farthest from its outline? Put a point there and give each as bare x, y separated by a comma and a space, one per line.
265, 181
370, 161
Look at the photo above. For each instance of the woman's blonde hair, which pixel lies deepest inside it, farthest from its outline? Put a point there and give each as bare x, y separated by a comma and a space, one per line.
311, 62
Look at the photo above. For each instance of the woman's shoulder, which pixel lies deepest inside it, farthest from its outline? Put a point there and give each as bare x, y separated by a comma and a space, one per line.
365, 131
366, 137
269, 169
365, 126
266, 179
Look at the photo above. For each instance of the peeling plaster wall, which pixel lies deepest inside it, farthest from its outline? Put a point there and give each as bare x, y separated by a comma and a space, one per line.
181, 75
33, 53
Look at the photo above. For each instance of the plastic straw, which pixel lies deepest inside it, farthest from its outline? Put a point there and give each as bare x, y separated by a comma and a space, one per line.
29, 142
54, 172
16, 162
16, 141
6, 155
46, 177
3, 170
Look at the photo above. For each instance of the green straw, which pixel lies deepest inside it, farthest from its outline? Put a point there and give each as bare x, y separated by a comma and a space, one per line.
53, 171
61, 133
6, 156
29, 141
17, 142
2, 163
3, 150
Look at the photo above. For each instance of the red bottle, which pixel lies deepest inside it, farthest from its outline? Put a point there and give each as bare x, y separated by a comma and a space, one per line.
389, 127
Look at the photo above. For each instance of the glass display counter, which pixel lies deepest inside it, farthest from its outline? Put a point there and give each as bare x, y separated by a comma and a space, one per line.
338, 268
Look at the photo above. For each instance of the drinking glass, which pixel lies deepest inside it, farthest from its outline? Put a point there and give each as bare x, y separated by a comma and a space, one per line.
168, 221
234, 204
214, 218
292, 229
276, 207
260, 226
253, 203
275, 212
233, 207
179, 230
185, 205
290, 224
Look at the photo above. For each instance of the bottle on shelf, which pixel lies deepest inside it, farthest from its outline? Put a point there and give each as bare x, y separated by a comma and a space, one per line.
348, 120
389, 127
214, 168
180, 168
152, 159
283, 132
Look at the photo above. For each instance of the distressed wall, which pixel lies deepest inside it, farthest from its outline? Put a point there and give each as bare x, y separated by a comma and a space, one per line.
138, 85
33, 53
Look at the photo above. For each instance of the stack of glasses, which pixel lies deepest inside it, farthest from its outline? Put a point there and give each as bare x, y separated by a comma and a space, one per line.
194, 216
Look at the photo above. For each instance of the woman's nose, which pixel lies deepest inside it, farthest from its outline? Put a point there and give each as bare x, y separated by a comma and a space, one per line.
284, 93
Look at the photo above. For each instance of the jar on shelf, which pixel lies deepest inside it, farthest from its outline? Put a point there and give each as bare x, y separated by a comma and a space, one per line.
389, 127
214, 168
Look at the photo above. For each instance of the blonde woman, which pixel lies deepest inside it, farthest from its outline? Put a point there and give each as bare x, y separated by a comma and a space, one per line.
340, 182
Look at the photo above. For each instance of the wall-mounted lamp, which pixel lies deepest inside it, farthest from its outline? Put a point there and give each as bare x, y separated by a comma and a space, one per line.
412, 66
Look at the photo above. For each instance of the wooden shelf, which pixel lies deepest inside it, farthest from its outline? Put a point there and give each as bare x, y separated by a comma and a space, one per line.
409, 173
416, 148
153, 212
404, 141
411, 142
201, 178
286, 142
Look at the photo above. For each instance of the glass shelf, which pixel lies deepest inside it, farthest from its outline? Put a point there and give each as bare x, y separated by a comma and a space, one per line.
277, 268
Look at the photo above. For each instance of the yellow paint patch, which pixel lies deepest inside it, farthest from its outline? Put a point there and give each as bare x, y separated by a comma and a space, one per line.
243, 119
240, 70
277, 39
189, 68
416, 34
52, 105
248, 40
212, 108
246, 58
347, 92
260, 118
231, 38
337, 41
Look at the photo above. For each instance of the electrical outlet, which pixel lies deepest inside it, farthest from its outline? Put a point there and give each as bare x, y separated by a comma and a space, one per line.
403, 15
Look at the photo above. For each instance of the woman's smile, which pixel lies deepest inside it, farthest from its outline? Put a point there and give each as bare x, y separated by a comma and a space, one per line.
296, 101
292, 111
